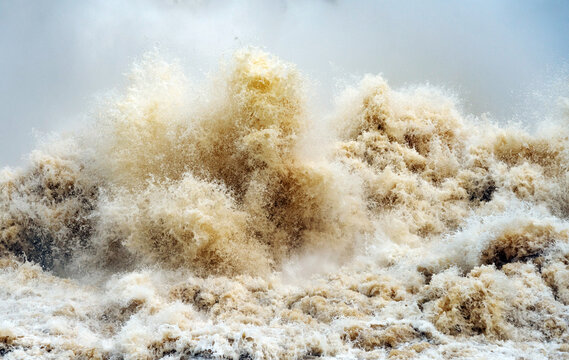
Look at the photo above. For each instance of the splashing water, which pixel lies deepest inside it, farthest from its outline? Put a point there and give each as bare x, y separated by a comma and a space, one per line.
216, 223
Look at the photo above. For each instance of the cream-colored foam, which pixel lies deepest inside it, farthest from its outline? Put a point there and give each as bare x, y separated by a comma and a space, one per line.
193, 223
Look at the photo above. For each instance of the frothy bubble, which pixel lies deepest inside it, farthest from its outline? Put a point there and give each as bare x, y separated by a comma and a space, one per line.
196, 222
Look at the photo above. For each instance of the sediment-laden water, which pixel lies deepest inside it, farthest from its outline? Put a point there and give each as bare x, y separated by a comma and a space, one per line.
234, 220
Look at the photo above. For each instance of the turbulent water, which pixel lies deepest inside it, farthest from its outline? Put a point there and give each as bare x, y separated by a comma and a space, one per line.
233, 220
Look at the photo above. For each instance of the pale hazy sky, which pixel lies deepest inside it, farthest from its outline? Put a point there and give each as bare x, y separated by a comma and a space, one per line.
56, 56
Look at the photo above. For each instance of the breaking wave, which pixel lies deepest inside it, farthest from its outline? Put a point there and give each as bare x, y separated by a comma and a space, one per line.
216, 222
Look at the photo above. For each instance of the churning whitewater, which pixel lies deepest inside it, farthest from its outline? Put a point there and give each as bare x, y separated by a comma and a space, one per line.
220, 221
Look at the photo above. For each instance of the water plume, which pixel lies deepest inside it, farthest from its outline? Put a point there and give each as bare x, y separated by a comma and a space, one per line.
189, 221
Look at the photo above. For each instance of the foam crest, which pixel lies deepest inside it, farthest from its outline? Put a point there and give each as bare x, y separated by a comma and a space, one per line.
193, 223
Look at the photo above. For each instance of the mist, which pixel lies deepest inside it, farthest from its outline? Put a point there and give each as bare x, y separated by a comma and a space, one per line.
284, 180
56, 58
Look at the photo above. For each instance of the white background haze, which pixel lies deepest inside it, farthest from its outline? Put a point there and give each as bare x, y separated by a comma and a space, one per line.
55, 57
